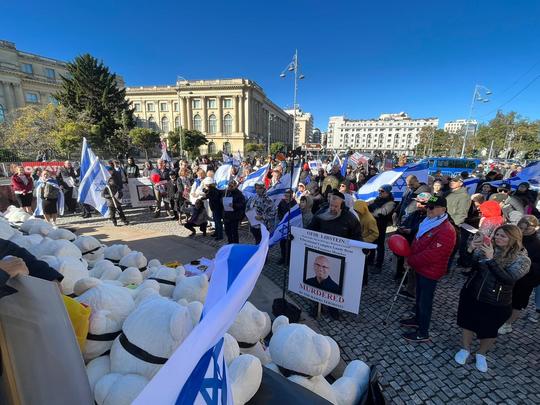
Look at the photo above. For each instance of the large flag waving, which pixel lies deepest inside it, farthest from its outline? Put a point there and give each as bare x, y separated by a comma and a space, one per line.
93, 183
281, 230
87, 157
196, 373
223, 175
276, 192
258, 176
395, 177
530, 174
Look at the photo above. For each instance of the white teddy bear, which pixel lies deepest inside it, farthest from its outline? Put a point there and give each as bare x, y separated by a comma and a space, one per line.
16, 215
150, 335
114, 253
302, 355
72, 269
6, 231
60, 247
133, 259
91, 249
249, 328
166, 277
27, 241
36, 226
106, 270
192, 288
61, 233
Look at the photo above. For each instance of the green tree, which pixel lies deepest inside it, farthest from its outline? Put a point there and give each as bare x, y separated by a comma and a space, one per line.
173, 139
144, 138
90, 94
277, 147
255, 147
437, 142
192, 140
69, 135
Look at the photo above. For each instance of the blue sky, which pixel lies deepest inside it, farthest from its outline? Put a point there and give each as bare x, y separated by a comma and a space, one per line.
360, 59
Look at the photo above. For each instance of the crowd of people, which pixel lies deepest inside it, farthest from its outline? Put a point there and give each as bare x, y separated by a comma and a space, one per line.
489, 236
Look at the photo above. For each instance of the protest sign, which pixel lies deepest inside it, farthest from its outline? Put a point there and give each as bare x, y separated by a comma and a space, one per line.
141, 192
327, 269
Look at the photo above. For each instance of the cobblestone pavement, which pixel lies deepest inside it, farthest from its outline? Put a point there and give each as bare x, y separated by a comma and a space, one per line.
411, 373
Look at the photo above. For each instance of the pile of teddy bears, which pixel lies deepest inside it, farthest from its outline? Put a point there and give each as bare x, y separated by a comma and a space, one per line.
143, 310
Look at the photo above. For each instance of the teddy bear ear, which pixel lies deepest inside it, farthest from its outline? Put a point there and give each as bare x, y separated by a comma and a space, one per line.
279, 322
85, 284
178, 323
195, 310
322, 346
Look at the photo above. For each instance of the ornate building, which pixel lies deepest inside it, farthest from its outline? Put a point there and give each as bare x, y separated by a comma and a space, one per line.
230, 112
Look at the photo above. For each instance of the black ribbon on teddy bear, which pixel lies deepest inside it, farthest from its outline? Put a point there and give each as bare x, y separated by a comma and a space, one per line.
162, 280
139, 353
122, 267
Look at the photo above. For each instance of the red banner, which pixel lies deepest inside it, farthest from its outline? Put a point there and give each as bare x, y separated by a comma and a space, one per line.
30, 166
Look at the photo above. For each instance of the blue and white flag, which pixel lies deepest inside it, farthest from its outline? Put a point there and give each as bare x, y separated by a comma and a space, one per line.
281, 230
395, 177
39, 202
530, 174
93, 183
237, 159
196, 373
226, 158
223, 176
277, 191
87, 157
258, 176
471, 184
344, 166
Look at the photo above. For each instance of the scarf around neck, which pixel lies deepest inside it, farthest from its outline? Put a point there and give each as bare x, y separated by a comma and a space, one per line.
429, 223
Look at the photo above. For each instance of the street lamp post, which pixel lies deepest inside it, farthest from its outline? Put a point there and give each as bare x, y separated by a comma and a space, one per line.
480, 94
178, 78
270, 120
293, 67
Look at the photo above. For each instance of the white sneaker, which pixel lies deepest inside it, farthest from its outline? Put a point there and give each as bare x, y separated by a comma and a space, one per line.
481, 363
506, 328
462, 356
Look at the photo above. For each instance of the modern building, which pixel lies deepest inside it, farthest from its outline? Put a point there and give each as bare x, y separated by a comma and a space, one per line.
28, 79
390, 132
229, 112
458, 126
304, 127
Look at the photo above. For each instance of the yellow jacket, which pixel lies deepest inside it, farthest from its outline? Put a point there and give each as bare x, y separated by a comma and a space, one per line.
370, 232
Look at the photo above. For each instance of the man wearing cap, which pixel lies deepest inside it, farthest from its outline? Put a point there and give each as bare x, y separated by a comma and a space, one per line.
408, 205
382, 209
430, 251
511, 206
234, 206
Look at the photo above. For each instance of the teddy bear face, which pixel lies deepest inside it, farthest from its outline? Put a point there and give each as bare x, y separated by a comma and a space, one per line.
91, 249
133, 259
192, 288
115, 252
151, 334
166, 277
60, 233
71, 268
250, 324
298, 348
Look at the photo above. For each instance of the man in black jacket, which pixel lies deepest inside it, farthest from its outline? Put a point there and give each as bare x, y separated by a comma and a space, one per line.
214, 197
112, 194
286, 203
381, 208
233, 211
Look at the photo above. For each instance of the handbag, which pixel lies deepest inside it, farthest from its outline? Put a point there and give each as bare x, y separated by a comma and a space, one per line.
79, 315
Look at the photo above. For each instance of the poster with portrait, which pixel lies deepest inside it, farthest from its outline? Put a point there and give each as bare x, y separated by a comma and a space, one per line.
141, 192
327, 269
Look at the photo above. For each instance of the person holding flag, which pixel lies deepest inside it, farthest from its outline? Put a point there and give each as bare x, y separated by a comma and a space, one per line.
50, 198
262, 211
112, 194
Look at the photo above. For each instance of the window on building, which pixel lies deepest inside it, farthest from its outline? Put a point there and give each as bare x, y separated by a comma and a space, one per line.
150, 107
227, 124
211, 148
227, 103
152, 124
2, 114
27, 68
211, 103
196, 103
197, 122
163, 107
165, 124
137, 107
50, 73
226, 147
177, 123
138, 122
32, 97
175, 107
212, 124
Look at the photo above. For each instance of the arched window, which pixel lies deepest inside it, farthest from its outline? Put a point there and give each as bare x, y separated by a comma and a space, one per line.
165, 124
152, 124
212, 124
197, 122
2, 114
211, 148
227, 124
227, 147
177, 122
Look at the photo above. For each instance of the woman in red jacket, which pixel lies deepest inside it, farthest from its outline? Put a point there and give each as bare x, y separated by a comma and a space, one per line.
23, 186
430, 252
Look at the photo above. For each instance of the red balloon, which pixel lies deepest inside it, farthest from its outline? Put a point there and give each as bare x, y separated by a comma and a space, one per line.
156, 178
399, 245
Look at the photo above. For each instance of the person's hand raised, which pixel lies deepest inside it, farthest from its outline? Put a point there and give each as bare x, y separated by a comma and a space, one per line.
13, 266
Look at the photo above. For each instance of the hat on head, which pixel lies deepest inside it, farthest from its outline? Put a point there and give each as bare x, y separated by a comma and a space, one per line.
435, 201
386, 187
423, 197
457, 179
338, 194
505, 186
524, 183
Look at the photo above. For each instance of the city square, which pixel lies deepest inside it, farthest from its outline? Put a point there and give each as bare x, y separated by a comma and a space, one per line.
346, 213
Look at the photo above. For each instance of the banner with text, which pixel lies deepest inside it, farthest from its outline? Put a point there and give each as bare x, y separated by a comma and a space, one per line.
327, 269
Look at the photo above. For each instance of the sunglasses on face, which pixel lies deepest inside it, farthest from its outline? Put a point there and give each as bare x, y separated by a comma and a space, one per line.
431, 207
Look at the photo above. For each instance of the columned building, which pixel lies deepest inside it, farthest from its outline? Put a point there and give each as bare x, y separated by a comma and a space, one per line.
458, 126
390, 132
229, 112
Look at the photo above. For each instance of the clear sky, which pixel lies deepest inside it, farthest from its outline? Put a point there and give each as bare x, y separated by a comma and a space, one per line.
360, 58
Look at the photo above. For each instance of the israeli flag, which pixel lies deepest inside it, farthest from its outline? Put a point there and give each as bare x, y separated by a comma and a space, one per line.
223, 175
39, 201
344, 166
530, 174
277, 191
196, 373
258, 176
87, 157
226, 158
471, 184
281, 230
395, 177
237, 159
335, 162
93, 183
